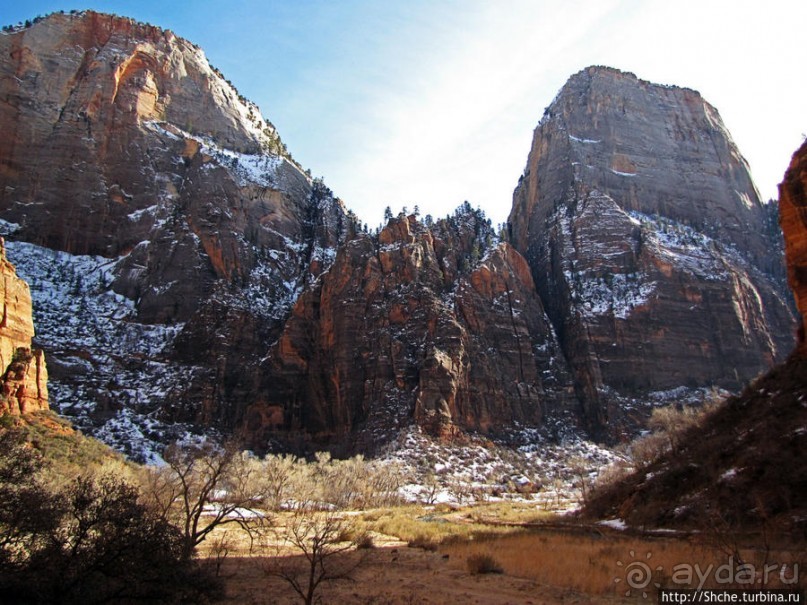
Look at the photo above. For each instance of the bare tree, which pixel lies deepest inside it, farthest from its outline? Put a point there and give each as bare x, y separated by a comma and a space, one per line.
430, 489
277, 475
86, 541
202, 487
322, 540
581, 468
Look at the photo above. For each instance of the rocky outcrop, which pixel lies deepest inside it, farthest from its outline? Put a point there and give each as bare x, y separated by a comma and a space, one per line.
122, 144
793, 219
648, 243
24, 381
438, 325
719, 478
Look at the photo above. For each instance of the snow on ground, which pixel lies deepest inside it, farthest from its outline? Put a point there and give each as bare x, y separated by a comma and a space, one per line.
119, 378
681, 246
617, 294
259, 169
550, 473
614, 524
686, 248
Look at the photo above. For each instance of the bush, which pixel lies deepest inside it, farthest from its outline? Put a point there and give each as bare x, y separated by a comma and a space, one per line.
483, 563
88, 542
364, 540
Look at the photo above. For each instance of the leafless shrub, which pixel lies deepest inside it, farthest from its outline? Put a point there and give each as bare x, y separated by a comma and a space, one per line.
88, 541
278, 475
482, 564
613, 473
646, 449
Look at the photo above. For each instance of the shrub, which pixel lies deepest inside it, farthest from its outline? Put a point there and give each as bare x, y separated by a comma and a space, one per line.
364, 540
90, 541
483, 563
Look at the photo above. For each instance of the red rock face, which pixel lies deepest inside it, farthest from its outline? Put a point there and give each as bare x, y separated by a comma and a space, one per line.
24, 381
230, 291
793, 219
648, 243
431, 325
121, 141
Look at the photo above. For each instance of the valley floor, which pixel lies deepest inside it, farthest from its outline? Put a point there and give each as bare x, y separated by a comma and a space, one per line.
550, 561
399, 575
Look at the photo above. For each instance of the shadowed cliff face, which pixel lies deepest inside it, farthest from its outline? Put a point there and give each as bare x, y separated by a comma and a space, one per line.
793, 219
185, 230
436, 325
648, 243
720, 477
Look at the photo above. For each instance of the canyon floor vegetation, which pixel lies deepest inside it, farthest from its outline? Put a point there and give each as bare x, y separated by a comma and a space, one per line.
216, 524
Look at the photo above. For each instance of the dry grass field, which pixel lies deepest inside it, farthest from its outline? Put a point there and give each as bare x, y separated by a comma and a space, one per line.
432, 555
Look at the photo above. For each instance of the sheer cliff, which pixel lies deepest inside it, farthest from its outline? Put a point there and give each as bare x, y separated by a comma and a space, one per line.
743, 467
649, 246
437, 324
190, 277
24, 379
793, 219
167, 229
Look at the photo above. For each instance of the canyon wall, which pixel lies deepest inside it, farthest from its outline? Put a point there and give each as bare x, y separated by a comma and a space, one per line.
655, 259
793, 219
190, 277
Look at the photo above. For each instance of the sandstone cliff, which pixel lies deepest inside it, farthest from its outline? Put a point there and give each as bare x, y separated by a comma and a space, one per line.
190, 276
743, 468
185, 230
438, 325
24, 382
648, 243
793, 219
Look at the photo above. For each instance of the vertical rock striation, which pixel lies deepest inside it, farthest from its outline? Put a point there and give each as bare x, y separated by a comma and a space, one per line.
24, 382
648, 243
437, 325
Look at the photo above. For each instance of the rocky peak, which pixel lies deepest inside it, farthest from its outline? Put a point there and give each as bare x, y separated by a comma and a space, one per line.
24, 381
186, 231
648, 243
658, 150
117, 94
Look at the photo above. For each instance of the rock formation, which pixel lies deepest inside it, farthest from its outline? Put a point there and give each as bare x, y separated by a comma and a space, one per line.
190, 276
648, 243
24, 382
122, 143
793, 219
437, 324
743, 467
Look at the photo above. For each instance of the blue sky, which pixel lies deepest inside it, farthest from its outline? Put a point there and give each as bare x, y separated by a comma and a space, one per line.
434, 102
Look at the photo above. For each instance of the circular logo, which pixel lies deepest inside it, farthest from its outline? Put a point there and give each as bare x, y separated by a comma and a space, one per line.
638, 574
